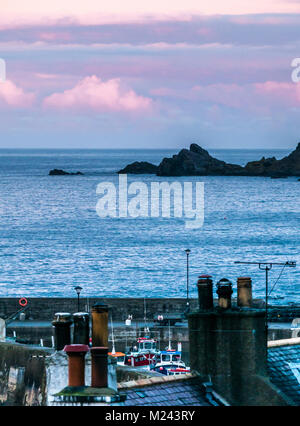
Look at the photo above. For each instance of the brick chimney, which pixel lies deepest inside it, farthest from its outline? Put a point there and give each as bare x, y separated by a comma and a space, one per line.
98, 393
228, 343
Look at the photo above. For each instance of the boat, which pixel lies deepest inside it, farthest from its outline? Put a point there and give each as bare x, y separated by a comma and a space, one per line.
119, 356
169, 362
144, 354
171, 371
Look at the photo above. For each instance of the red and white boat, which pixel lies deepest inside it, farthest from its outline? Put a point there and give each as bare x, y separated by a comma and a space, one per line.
144, 354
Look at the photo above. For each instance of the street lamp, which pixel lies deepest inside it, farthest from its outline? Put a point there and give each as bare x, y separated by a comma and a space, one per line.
187, 251
78, 290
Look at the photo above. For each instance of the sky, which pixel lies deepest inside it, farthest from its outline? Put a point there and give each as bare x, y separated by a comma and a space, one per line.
159, 74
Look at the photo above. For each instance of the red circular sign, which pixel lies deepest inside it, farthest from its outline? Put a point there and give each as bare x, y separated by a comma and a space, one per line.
23, 302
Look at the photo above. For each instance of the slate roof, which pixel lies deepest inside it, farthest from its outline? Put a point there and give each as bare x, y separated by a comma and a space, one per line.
284, 370
178, 392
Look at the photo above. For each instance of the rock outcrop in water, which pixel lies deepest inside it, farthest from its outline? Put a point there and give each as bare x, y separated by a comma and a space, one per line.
287, 166
140, 167
196, 161
59, 172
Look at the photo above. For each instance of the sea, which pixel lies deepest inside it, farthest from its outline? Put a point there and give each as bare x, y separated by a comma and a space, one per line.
52, 239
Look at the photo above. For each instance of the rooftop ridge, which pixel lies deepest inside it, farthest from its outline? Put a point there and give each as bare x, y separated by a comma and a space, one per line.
156, 380
284, 342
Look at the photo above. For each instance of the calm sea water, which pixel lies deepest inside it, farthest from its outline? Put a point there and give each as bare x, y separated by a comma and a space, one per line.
51, 238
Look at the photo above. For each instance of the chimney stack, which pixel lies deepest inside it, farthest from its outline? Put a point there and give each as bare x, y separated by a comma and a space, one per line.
100, 325
76, 355
205, 292
228, 343
244, 292
81, 328
62, 329
224, 292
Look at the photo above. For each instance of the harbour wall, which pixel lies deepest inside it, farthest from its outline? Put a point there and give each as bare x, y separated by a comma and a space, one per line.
44, 308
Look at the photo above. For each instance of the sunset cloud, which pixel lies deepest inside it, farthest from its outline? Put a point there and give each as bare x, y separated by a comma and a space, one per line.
91, 12
253, 97
259, 30
182, 66
14, 97
92, 93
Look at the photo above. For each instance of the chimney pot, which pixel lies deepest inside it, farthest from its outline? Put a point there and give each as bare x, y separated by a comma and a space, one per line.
81, 328
205, 292
100, 325
76, 355
244, 292
62, 323
224, 292
99, 367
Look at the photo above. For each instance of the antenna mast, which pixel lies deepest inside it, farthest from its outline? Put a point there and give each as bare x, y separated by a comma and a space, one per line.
267, 266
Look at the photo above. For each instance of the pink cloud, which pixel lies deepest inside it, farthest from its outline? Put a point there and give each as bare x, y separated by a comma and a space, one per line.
92, 93
93, 12
256, 96
14, 96
287, 94
55, 36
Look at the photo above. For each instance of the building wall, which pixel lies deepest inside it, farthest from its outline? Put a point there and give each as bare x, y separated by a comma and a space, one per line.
31, 376
22, 375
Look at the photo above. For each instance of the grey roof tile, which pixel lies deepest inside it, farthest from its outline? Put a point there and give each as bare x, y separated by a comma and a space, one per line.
185, 392
287, 379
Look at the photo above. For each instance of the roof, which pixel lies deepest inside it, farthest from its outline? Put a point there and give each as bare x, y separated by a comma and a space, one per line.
168, 391
171, 352
284, 367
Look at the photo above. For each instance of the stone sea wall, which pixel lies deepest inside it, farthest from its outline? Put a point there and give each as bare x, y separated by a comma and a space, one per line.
44, 308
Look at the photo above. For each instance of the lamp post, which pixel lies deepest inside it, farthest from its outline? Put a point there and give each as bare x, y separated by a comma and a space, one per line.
187, 251
78, 290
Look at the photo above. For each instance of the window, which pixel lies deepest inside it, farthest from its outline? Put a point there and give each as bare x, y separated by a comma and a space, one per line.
165, 358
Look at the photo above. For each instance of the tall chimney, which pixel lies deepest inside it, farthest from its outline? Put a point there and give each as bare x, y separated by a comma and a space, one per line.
62, 329
76, 355
224, 292
228, 347
100, 325
81, 328
99, 367
244, 292
205, 292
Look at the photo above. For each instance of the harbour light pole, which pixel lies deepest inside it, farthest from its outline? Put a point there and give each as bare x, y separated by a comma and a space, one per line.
187, 251
78, 290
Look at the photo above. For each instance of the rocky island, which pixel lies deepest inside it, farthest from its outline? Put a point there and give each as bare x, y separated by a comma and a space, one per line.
196, 161
140, 167
59, 172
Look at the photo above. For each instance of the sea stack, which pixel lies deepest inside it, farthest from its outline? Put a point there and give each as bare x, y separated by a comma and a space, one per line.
59, 172
196, 161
